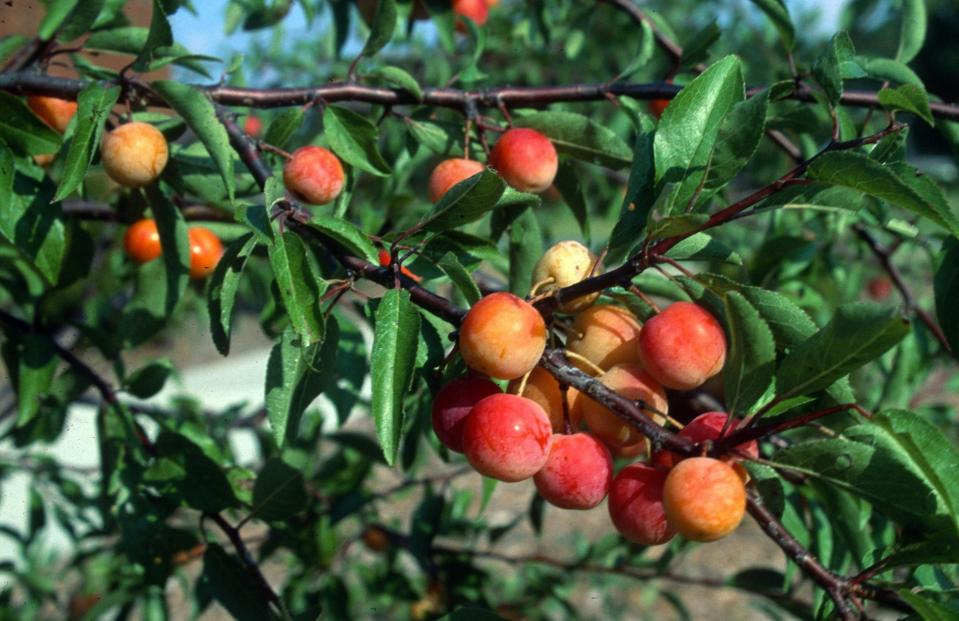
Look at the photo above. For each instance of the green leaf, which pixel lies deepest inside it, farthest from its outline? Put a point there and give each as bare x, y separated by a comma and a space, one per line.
466, 202
946, 287
910, 98
676, 225
37, 365
228, 581
199, 114
57, 12
393, 356
571, 189
283, 126
460, 277
221, 294
81, 19
279, 492
382, 29
175, 242
94, 104
160, 35
888, 69
689, 127
400, 78
185, 473
912, 29
347, 235
470, 613
646, 50
132, 40
580, 137
778, 14
10, 44
353, 138
859, 172
296, 374
703, 247
739, 137
149, 380
525, 249
751, 359
264, 16
640, 195
826, 70
696, 49
300, 285
857, 334
22, 130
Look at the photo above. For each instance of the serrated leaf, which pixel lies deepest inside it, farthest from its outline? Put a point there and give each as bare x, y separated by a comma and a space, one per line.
861, 173
81, 19
383, 27
149, 379
94, 104
392, 365
739, 137
353, 138
347, 235
640, 195
888, 69
221, 294
460, 277
910, 98
751, 357
826, 71
57, 12
399, 78
283, 126
778, 14
300, 285
295, 375
912, 29
184, 472
160, 35
703, 247
646, 50
199, 114
580, 137
857, 334
466, 201
228, 581
689, 127
676, 225
279, 492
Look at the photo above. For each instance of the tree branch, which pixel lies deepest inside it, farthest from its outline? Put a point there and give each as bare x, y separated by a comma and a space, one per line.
27, 83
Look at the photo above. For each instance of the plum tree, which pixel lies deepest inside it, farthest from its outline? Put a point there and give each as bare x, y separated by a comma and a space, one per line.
564, 264
450, 172
453, 403
507, 437
632, 382
704, 498
577, 472
142, 241
706, 426
544, 389
636, 505
683, 346
314, 174
502, 336
605, 335
53, 111
526, 159
134, 154
205, 251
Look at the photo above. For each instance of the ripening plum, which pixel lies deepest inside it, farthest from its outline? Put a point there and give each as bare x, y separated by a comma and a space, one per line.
605, 335
543, 388
453, 404
314, 174
706, 426
205, 251
636, 505
577, 472
682, 346
142, 241
502, 336
566, 263
53, 111
476, 10
526, 159
134, 154
704, 498
507, 437
632, 382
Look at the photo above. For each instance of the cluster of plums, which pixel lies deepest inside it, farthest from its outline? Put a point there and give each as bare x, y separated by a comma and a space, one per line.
566, 442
